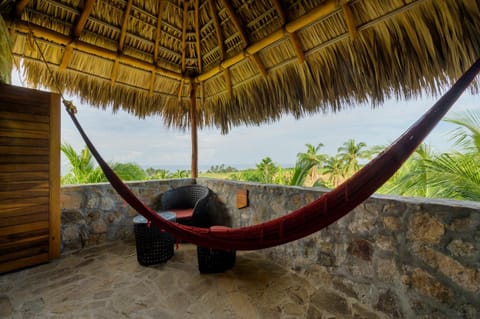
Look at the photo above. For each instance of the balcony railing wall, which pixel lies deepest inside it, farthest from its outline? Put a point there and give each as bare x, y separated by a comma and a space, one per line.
391, 256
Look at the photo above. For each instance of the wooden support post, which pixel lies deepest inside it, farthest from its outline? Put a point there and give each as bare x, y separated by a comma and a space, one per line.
193, 127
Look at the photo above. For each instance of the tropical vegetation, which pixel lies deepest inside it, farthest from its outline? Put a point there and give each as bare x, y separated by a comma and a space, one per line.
454, 175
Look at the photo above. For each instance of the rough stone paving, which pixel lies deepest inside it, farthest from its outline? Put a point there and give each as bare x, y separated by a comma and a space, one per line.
106, 281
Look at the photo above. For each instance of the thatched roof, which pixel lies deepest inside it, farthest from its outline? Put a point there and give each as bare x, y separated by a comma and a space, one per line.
248, 61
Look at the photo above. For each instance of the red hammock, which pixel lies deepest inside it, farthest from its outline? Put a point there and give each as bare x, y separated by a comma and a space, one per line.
320, 213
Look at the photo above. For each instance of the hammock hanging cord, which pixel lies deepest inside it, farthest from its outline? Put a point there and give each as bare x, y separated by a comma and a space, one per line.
311, 218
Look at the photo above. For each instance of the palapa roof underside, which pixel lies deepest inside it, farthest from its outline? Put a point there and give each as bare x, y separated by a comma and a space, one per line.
247, 61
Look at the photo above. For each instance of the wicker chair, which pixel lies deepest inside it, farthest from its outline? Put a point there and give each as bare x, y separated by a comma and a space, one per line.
189, 203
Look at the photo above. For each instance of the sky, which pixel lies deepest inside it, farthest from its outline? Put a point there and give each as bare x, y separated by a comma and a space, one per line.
121, 137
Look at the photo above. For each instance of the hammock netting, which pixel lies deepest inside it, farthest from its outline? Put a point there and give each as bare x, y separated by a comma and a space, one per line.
311, 218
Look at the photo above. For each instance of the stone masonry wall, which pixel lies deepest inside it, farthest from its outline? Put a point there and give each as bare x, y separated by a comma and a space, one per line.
406, 258
392, 257
95, 213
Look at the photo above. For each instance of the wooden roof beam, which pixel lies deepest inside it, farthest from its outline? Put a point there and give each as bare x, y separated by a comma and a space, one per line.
64, 40
82, 19
329, 7
76, 32
295, 41
67, 55
121, 41
243, 35
161, 6
20, 7
236, 21
123, 32
197, 35
349, 20
184, 34
218, 29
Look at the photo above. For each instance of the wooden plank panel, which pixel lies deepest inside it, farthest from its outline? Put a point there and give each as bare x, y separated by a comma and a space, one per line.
23, 185
19, 195
23, 125
9, 203
23, 262
25, 210
24, 219
24, 134
26, 176
25, 228
24, 117
21, 100
16, 141
22, 168
29, 177
18, 253
22, 150
30, 159
24, 106
31, 240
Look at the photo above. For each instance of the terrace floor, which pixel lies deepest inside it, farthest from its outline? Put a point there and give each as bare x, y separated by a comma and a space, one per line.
107, 282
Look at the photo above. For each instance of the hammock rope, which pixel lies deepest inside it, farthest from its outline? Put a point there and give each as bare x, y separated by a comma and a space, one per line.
311, 218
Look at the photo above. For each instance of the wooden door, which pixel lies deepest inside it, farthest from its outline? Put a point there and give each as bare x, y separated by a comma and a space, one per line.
29, 177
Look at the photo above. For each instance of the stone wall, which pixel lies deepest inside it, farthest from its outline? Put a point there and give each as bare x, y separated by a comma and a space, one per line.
392, 257
406, 258
95, 213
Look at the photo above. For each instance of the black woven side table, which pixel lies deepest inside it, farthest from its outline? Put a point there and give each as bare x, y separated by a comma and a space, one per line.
215, 260
153, 245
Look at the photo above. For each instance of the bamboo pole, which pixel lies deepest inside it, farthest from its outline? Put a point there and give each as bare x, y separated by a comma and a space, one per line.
193, 127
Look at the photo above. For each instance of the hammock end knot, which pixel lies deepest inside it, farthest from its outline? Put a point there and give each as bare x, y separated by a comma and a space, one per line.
72, 109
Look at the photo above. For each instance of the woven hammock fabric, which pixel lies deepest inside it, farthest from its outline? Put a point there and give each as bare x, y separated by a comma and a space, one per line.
322, 212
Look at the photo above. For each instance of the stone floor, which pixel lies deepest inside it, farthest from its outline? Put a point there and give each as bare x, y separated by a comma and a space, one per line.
107, 282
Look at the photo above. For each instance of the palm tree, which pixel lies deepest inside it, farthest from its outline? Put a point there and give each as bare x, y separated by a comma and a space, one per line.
311, 159
266, 170
350, 153
412, 179
467, 135
333, 168
82, 169
129, 171
458, 174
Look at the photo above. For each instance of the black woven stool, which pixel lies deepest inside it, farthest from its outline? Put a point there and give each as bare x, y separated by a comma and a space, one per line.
153, 245
215, 260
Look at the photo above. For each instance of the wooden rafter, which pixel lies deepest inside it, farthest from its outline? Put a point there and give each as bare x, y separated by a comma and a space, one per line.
280, 11
259, 64
20, 7
184, 34
114, 72
82, 19
228, 81
85, 47
236, 21
327, 8
67, 55
161, 6
123, 32
152, 84
349, 20
76, 32
180, 90
243, 35
295, 41
218, 29
197, 35
121, 41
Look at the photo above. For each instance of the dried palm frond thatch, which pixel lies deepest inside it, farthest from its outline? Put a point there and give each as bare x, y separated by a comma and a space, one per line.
245, 62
